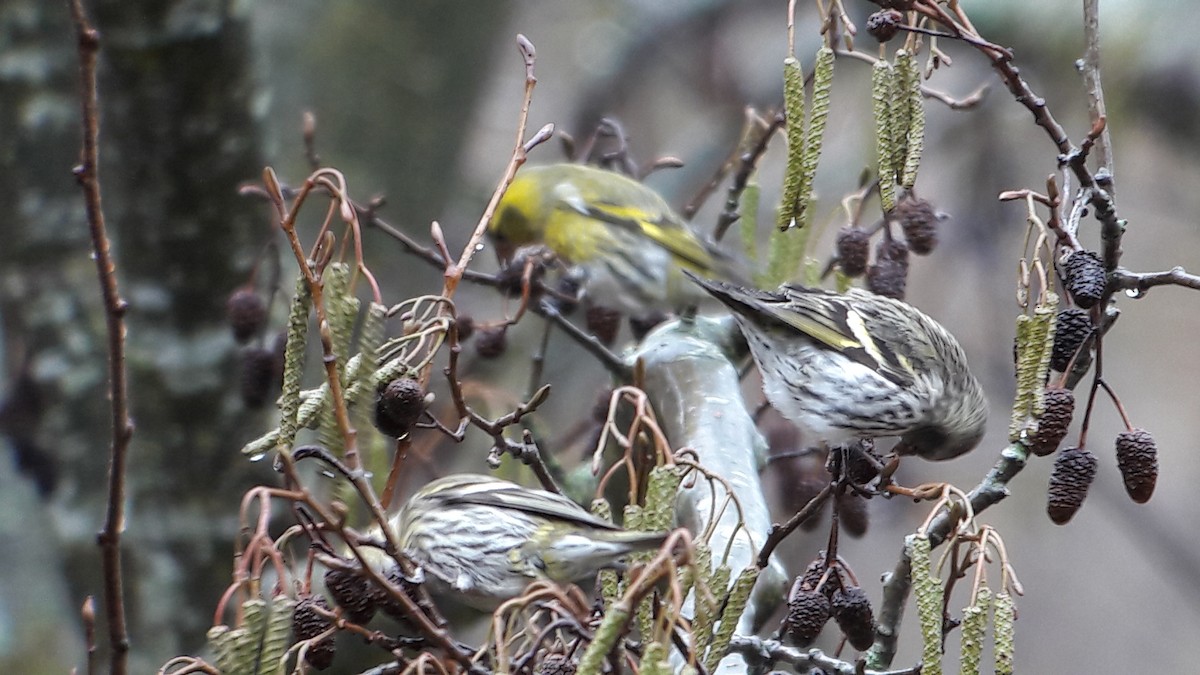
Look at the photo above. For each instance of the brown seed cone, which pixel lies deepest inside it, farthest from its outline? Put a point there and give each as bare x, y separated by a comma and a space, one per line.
889, 275
813, 574
643, 324
1074, 471
307, 624
1085, 278
246, 313
465, 325
852, 611
853, 250
391, 606
807, 613
883, 25
859, 467
1137, 458
353, 593
557, 664
852, 513
1072, 326
491, 341
1054, 422
604, 323
398, 406
258, 376
919, 222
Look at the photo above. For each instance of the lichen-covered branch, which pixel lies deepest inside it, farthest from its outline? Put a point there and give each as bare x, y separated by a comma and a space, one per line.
696, 393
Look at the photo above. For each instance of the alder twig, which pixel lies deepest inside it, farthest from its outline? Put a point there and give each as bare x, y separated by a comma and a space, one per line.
87, 174
1122, 279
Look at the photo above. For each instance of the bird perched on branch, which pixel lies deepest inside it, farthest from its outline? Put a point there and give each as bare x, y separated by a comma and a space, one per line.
481, 540
853, 365
628, 244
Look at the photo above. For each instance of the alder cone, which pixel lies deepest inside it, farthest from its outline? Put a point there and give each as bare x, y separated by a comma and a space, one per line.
1074, 471
1137, 458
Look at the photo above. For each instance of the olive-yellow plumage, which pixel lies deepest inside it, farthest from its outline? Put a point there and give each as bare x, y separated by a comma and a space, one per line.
624, 239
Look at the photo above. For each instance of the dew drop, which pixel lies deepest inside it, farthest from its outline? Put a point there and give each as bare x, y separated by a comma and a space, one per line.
257, 457
1134, 293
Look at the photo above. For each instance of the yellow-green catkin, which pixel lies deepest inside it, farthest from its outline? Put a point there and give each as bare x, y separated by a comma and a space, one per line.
1035, 341
362, 390
635, 519
785, 252
340, 317
1044, 315
706, 608
739, 595
612, 626
1006, 614
277, 637
793, 107
814, 133
293, 365
654, 659
748, 219
609, 587
882, 78
974, 630
899, 112
910, 86
698, 570
341, 309
243, 653
221, 643
928, 590
660, 498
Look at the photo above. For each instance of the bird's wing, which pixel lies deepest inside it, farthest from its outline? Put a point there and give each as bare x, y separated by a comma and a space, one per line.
642, 212
839, 323
536, 502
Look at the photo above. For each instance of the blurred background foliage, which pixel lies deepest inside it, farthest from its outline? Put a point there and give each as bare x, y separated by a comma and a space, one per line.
417, 101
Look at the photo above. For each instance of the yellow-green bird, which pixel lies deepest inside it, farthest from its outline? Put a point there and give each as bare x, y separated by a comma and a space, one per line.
625, 241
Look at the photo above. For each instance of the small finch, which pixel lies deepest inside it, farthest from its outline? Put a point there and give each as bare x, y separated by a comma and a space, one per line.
853, 365
481, 540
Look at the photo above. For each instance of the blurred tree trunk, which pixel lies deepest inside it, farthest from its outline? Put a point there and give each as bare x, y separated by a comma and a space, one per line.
177, 139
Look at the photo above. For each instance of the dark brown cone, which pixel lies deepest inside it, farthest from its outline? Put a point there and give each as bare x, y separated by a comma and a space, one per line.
1072, 327
919, 222
1054, 422
511, 277
246, 313
351, 592
258, 376
852, 611
466, 327
307, 624
860, 468
1085, 278
813, 573
1137, 458
641, 325
853, 250
889, 275
567, 292
807, 613
852, 513
1074, 471
557, 664
883, 25
398, 406
390, 606
604, 323
491, 341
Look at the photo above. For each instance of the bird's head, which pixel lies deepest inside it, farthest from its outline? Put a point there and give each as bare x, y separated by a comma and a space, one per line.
962, 419
519, 219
